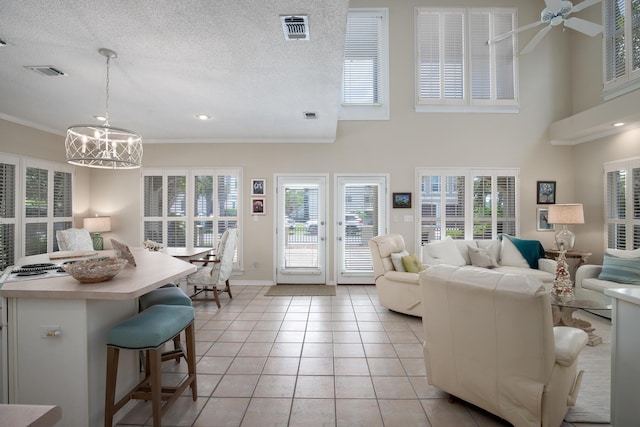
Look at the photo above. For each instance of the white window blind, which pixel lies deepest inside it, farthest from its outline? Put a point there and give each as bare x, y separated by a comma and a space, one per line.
365, 72
467, 203
8, 186
622, 204
621, 46
190, 207
457, 69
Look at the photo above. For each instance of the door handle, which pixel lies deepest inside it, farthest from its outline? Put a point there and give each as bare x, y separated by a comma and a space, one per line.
339, 239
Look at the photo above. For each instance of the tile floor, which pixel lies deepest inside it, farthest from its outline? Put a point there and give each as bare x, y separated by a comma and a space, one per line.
309, 361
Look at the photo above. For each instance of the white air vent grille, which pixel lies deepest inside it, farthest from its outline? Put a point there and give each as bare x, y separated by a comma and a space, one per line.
295, 27
45, 70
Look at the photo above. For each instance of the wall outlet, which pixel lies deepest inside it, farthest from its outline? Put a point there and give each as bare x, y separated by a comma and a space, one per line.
49, 331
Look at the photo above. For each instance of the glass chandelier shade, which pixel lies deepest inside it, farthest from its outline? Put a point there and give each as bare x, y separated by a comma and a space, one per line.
103, 146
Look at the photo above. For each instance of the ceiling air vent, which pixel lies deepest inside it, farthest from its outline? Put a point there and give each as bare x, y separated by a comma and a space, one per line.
295, 27
45, 70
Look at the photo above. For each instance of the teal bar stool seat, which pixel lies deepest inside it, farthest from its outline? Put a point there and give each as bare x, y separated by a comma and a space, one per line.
168, 294
148, 331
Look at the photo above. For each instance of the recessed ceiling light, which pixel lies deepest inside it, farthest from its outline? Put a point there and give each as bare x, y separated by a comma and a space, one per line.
203, 116
618, 124
100, 118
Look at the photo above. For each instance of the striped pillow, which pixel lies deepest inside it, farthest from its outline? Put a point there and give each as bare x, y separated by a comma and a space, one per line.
620, 270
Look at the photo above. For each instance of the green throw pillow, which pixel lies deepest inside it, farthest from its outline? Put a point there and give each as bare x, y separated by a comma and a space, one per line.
412, 264
620, 270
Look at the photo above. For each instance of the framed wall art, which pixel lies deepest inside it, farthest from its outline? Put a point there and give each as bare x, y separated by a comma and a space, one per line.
258, 206
546, 192
401, 200
258, 187
542, 224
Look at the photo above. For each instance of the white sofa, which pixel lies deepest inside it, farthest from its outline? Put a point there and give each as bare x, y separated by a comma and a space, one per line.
489, 340
508, 258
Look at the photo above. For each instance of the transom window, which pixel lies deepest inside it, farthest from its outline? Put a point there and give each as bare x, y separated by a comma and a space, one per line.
622, 204
621, 47
457, 69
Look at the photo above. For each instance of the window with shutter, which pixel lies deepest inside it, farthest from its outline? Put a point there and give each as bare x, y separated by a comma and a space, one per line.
621, 47
467, 203
622, 204
457, 69
8, 183
365, 81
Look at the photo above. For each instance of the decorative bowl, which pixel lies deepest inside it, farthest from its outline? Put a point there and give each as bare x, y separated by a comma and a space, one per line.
95, 270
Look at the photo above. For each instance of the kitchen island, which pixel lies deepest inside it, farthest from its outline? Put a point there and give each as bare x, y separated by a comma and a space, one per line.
56, 331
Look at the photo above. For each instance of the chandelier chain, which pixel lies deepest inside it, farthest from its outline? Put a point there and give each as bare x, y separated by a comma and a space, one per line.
107, 97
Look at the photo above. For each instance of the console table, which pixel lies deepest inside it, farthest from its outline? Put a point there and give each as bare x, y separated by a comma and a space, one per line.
68, 368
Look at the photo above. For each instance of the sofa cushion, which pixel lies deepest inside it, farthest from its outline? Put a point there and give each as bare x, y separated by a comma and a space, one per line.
510, 255
481, 257
620, 270
445, 252
412, 264
493, 246
543, 276
531, 250
396, 259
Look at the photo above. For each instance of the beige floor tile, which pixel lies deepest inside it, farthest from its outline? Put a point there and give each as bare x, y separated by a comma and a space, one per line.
379, 350
393, 388
213, 365
313, 413
319, 325
375, 337
403, 337
224, 349
236, 386
290, 336
368, 326
183, 412
409, 350
293, 325
281, 366
316, 366
268, 325
247, 365
441, 413
346, 337
262, 336
351, 366
296, 316
318, 336
267, 412
385, 366
354, 387
312, 349
321, 387
275, 386
405, 413
348, 350
222, 412
255, 349
414, 367
358, 412
269, 316
206, 384
345, 325
234, 336
286, 349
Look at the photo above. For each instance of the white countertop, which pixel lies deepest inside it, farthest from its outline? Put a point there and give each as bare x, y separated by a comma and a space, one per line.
154, 269
29, 415
631, 295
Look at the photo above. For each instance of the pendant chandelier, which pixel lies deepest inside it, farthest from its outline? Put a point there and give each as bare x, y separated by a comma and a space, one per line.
103, 146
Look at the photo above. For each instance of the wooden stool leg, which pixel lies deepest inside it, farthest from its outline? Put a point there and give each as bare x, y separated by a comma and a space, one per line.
110, 392
229, 289
191, 359
155, 362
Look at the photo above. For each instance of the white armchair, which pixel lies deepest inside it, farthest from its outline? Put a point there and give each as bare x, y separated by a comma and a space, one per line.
489, 340
217, 270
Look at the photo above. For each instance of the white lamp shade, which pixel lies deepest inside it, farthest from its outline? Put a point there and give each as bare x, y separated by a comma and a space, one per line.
97, 224
566, 214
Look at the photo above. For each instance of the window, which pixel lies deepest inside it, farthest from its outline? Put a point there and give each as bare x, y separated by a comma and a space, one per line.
365, 78
621, 47
189, 207
457, 69
622, 203
475, 203
45, 191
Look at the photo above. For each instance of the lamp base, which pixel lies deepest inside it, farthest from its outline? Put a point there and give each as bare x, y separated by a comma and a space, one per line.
98, 242
565, 239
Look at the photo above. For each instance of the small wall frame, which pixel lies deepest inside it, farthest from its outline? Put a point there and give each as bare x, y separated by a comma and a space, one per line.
258, 187
542, 215
546, 192
401, 200
258, 206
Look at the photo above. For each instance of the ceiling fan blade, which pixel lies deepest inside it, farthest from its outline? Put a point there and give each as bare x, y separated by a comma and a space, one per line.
510, 33
535, 40
586, 27
585, 4
553, 5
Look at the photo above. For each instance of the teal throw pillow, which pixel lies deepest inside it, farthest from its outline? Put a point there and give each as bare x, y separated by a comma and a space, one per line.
620, 270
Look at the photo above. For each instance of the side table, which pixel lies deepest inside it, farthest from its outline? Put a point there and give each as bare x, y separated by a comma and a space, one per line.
581, 256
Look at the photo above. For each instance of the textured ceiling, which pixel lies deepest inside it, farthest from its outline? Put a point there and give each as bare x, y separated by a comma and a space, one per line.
176, 59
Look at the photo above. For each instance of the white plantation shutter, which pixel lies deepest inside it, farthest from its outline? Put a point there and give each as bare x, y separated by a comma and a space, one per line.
36, 202
621, 46
622, 204
361, 200
62, 203
365, 78
442, 205
457, 69
176, 207
8, 185
506, 204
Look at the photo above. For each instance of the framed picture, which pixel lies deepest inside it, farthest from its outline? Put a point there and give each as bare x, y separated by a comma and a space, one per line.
258, 187
546, 192
258, 206
542, 215
401, 200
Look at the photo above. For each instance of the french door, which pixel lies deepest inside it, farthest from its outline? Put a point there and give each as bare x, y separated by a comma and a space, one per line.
361, 213
301, 229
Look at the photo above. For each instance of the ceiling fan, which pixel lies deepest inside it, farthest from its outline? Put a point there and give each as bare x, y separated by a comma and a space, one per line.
553, 15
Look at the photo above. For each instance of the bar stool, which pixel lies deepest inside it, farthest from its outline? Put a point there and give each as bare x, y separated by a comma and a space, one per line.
148, 331
168, 294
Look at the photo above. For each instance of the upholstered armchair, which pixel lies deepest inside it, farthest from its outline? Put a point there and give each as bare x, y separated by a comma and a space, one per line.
489, 340
216, 270
397, 290
74, 239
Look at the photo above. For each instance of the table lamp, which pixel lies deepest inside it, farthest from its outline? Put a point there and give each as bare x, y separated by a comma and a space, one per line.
97, 225
565, 214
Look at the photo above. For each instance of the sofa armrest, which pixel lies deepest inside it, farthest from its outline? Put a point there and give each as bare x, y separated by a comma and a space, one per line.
569, 343
548, 265
402, 276
587, 271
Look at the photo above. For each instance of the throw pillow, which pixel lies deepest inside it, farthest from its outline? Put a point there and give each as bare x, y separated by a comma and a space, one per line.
396, 260
621, 253
482, 258
445, 252
412, 264
620, 270
510, 255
